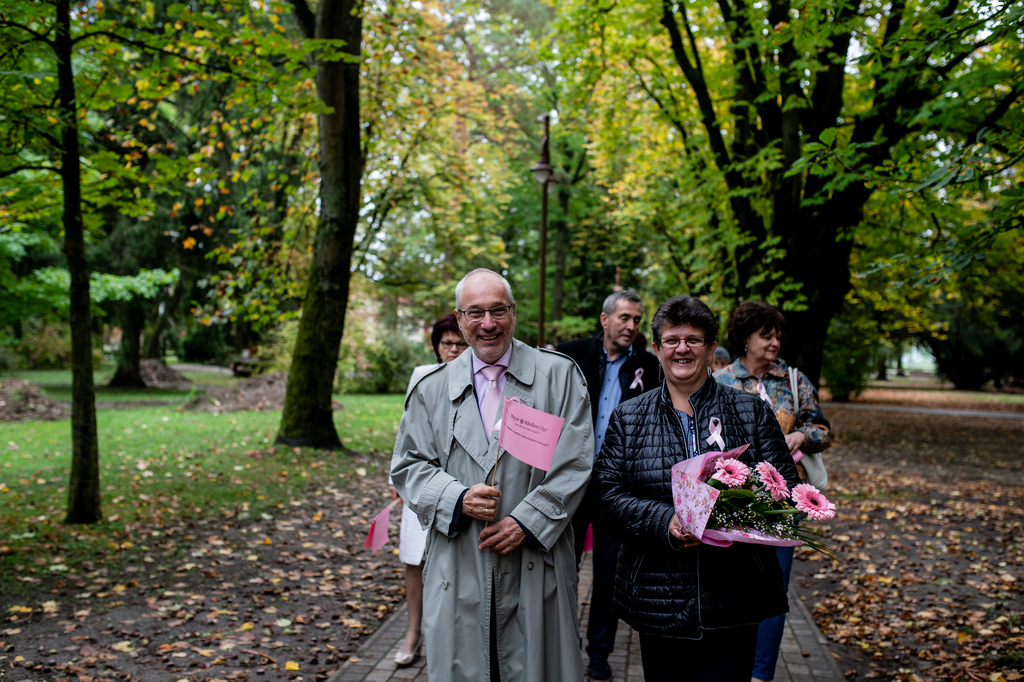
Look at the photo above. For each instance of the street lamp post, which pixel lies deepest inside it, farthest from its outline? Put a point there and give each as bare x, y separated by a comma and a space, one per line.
542, 171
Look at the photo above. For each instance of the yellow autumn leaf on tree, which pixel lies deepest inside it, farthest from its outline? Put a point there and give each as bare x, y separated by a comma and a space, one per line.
189, 243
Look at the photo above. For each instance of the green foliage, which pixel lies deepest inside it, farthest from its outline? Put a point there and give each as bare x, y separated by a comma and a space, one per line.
849, 355
571, 327
276, 351
379, 366
46, 346
204, 343
984, 311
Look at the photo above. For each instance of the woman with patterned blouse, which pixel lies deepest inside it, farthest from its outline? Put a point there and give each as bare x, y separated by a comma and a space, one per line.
755, 335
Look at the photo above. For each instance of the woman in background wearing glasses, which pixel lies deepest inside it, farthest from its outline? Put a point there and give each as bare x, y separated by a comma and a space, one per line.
695, 606
448, 345
755, 334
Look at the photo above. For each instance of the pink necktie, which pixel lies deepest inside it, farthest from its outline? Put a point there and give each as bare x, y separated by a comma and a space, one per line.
492, 396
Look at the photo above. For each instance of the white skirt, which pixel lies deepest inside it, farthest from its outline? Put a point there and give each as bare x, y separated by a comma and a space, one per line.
412, 539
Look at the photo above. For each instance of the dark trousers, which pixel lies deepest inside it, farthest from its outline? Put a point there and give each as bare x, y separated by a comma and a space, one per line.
603, 622
718, 656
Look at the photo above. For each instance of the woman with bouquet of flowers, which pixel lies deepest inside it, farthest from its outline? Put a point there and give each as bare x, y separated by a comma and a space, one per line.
695, 606
755, 334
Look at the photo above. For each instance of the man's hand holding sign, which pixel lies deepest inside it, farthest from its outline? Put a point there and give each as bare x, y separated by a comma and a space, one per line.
530, 436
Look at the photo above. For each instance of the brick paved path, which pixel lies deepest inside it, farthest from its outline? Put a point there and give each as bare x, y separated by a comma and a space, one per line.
805, 656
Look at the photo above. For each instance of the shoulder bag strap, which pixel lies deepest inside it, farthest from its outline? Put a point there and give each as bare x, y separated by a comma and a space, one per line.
795, 387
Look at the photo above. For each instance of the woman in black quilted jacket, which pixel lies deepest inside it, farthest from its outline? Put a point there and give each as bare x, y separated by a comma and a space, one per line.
696, 607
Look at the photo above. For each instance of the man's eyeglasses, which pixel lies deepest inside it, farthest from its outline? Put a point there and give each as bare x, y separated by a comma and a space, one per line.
691, 342
453, 344
498, 312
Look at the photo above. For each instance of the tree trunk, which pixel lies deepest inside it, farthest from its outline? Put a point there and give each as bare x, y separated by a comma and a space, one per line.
84, 486
561, 226
129, 372
152, 345
307, 418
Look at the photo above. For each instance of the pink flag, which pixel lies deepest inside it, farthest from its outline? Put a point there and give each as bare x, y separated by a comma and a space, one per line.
378, 535
588, 539
529, 435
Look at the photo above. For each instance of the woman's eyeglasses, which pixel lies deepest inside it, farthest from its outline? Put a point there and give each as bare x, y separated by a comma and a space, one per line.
498, 312
453, 344
691, 342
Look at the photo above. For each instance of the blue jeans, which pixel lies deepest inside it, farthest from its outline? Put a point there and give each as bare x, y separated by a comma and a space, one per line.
769, 632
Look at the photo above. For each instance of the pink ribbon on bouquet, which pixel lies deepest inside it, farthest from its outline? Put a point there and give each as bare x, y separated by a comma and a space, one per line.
637, 381
715, 426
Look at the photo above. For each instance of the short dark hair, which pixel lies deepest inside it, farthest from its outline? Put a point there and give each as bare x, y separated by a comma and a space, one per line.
613, 300
685, 310
446, 323
751, 317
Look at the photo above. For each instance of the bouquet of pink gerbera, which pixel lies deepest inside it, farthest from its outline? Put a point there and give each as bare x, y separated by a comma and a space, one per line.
721, 500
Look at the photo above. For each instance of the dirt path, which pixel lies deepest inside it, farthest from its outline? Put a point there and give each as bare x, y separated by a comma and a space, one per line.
931, 524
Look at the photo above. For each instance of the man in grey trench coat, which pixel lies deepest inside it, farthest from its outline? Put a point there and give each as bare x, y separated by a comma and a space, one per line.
499, 594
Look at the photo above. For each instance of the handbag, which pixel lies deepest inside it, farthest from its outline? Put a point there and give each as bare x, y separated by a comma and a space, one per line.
814, 465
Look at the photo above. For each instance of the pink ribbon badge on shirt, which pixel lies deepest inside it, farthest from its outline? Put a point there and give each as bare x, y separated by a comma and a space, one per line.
764, 394
715, 426
637, 381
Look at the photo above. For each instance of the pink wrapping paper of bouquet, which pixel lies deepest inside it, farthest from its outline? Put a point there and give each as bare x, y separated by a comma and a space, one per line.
694, 501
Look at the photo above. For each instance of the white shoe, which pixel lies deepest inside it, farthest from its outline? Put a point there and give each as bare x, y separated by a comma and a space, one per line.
403, 660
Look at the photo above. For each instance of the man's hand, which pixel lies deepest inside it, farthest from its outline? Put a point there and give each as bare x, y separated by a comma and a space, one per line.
481, 502
394, 493
675, 529
503, 537
795, 441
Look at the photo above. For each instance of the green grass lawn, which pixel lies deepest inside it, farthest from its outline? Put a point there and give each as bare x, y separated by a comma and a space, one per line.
159, 466
208, 378
169, 395
58, 377
62, 377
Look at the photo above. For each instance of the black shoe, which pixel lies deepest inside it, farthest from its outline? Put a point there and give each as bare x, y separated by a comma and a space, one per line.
599, 671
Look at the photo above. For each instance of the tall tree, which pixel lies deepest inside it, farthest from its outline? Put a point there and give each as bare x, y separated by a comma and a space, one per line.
31, 39
747, 89
337, 28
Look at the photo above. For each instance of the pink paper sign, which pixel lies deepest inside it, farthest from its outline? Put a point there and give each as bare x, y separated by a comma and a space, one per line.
378, 535
529, 435
693, 499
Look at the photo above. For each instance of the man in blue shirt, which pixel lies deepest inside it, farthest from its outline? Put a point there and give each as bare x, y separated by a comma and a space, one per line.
617, 367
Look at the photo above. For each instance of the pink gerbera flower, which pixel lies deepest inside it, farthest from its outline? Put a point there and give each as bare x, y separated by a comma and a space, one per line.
731, 472
773, 481
810, 501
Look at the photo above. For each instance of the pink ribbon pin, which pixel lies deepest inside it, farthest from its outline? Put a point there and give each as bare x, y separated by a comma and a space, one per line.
764, 394
715, 426
637, 381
